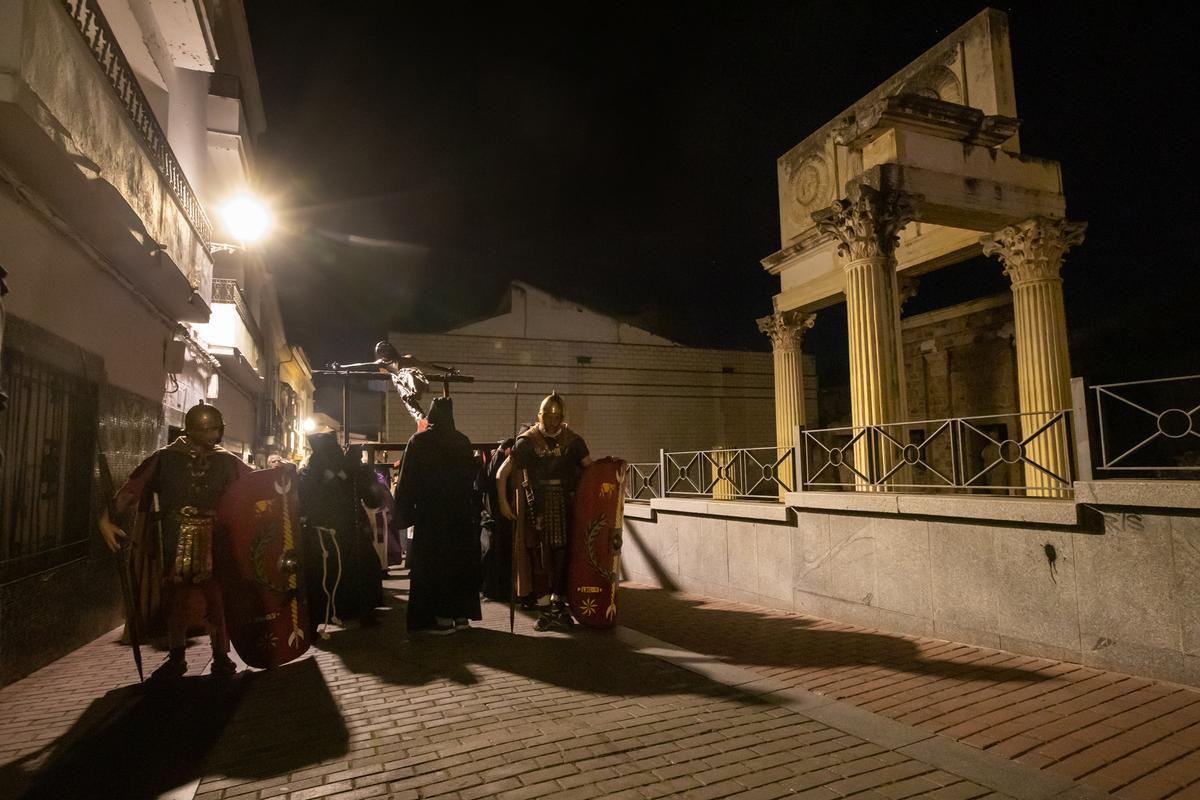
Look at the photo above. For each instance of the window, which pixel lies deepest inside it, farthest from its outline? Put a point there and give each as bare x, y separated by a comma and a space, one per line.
48, 436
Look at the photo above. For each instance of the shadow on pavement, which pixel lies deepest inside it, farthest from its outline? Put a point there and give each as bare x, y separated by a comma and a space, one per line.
584, 660
140, 741
773, 640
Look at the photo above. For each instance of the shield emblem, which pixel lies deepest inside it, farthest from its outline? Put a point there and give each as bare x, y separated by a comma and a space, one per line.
258, 565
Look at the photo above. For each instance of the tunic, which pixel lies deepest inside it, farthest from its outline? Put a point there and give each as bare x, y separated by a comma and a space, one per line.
435, 494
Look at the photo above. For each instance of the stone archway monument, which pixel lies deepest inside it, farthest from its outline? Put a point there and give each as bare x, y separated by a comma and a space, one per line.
921, 174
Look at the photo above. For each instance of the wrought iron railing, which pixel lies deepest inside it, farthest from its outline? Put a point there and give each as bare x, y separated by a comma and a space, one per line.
757, 473
103, 45
48, 436
643, 481
226, 290
1149, 425
1007, 454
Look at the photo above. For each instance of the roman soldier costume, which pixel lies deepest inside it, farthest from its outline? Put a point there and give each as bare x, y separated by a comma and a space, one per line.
548, 460
188, 476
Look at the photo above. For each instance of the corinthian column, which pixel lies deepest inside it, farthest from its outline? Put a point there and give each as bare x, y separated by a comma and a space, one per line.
1032, 253
786, 330
866, 225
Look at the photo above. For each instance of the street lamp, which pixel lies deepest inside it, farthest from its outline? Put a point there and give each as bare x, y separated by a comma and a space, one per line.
245, 217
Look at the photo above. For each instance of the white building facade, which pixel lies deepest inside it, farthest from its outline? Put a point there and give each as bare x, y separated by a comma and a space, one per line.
123, 125
627, 391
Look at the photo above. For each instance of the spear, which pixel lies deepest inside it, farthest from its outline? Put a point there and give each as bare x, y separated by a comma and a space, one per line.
512, 588
124, 558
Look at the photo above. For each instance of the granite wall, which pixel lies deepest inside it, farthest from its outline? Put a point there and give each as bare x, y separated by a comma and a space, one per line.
1118, 589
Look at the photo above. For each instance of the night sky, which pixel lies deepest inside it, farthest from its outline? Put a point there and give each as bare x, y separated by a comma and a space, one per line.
420, 156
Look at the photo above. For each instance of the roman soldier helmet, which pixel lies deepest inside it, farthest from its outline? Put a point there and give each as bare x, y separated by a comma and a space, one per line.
552, 404
203, 417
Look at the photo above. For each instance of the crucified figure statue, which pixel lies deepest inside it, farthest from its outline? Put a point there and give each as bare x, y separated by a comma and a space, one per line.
409, 376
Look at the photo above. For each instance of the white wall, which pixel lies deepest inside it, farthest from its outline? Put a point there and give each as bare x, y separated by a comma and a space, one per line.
629, 401
534, 314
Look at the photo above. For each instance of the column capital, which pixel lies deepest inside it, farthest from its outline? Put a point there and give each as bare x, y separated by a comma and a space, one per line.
867, 222
1033, 250
786, 328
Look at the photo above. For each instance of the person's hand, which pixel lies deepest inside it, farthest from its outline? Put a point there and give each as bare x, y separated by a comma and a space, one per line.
112, 533
506, 511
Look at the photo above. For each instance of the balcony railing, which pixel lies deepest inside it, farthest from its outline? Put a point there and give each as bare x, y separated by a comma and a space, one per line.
104, 48
1007, 454
754, 473
643, 481
1151, 425
226, 290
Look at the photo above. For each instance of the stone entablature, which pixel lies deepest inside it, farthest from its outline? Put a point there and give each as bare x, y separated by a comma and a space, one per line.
944, 130
970, 67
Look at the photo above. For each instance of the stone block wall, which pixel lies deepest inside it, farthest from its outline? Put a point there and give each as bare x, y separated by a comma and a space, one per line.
958, 362
1118, 590
626, 400
961, 361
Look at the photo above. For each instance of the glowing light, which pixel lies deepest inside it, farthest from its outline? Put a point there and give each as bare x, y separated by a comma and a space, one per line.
310, 425
246, 218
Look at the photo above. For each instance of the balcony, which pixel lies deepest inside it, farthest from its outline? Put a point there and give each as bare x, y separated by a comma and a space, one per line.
233, 336
78, 133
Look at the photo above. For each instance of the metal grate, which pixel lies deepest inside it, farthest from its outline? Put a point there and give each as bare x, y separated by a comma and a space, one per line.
48, 436
1150, 425
1004, 454
643, 481
758, 473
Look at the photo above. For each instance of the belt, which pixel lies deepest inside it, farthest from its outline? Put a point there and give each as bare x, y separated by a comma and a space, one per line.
190, 512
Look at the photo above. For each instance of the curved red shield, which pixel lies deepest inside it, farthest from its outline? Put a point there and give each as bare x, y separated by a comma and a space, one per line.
594, 571
258, 564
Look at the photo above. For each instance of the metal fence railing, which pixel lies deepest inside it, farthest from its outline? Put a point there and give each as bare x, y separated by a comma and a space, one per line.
756, 473
1004, 454
102, 43
1151, 425
643, 481
227, 290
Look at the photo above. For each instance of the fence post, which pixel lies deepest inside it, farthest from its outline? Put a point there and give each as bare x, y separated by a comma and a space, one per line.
798, 458
1079, 420
662, 472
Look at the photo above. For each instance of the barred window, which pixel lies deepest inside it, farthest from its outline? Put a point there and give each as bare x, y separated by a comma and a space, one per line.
48, 436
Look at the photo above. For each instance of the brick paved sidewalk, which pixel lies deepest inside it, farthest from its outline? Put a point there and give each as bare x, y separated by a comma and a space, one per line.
1134, 737
376, 713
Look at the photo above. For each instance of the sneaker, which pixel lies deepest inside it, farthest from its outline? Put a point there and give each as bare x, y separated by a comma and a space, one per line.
442, 626
545, 622
223, 665
462, 623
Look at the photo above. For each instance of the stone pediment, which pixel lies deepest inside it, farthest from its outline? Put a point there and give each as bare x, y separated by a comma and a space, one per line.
970, 69
943, 131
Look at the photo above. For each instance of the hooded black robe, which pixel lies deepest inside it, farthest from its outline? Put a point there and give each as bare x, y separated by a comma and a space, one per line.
436, 496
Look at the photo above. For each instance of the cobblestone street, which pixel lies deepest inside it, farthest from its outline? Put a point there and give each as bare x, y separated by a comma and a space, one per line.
690, 697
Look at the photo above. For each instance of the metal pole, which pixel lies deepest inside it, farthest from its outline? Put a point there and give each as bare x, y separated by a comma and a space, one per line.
345, 411
1079, 416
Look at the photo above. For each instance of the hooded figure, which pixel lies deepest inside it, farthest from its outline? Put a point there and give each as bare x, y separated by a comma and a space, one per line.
344, 579
435, 494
